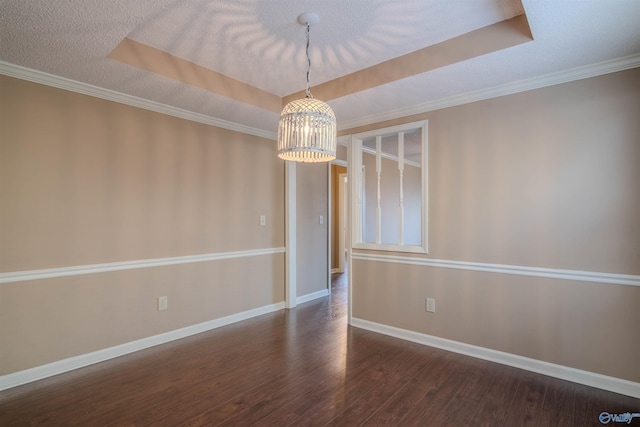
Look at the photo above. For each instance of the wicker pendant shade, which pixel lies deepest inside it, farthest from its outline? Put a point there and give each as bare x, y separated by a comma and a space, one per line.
307, 131
307, 128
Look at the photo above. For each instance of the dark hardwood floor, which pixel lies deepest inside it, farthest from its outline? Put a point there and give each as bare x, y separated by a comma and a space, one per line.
303, 367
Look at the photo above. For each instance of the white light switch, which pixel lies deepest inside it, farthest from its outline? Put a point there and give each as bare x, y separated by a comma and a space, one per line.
263, 220
431, 305
163, 303
321, 219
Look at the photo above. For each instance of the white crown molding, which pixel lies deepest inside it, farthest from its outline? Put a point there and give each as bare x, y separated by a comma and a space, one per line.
48, 273
312, 296
592, 70
617, 385
584, 72
36, 76
55, 368
553, 273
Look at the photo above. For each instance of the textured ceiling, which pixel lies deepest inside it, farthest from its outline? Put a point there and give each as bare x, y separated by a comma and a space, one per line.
261, 44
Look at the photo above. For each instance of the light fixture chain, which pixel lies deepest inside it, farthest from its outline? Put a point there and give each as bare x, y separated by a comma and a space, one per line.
308, 64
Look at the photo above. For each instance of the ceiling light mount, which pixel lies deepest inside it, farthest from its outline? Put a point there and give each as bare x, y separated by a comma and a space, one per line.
308, 18
307, 128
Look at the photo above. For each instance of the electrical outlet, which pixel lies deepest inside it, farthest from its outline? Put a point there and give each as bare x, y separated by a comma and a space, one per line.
163, 303
321, 220
263, 220
430, 305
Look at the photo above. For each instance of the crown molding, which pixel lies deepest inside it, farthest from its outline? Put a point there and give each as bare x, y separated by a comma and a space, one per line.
47, 79
587, 71
566, 76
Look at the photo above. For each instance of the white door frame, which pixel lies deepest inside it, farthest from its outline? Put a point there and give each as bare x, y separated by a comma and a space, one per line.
342, 219
290, 235
329, 225
331, 218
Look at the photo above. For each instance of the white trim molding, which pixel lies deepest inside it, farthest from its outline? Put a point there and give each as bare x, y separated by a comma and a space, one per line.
357, 179
47, 79
40, 372
551, 79
552, 273
587, 71
48, 273
290, 219
616, 385
312, 296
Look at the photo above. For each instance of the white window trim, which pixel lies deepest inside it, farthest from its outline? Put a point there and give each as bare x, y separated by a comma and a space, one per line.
356, 189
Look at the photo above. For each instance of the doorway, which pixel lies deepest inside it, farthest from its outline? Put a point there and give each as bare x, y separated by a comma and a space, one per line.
338, 217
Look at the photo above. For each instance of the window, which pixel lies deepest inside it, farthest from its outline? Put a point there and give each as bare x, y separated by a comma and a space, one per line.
390, 188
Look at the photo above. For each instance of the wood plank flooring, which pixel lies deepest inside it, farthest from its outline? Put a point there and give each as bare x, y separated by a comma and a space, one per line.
303, 367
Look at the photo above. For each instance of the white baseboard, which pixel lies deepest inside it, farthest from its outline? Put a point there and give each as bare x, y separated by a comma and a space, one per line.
55, 368
312, 296
591, 379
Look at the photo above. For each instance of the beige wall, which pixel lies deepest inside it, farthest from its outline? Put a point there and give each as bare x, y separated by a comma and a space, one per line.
588, 326
341, 153
545, 178
311, 237
86, 181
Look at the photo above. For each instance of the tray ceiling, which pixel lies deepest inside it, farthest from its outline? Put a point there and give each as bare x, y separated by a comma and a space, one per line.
260, 45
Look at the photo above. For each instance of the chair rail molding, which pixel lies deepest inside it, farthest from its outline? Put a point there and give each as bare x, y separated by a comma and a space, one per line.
48, 273
553, 273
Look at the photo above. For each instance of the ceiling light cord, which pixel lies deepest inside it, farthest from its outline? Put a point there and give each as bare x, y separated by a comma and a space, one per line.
308, 64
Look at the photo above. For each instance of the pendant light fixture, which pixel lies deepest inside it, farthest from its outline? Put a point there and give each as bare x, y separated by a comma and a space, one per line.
307, 128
